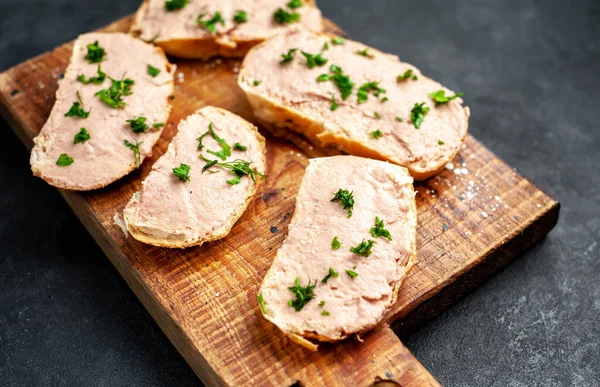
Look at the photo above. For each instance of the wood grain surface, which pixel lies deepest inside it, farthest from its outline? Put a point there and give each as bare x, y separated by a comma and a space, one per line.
473, 219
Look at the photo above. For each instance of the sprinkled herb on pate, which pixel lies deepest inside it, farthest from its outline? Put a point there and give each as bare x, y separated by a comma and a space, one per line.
281, 16
182, 172
335, 243
240, 17
332, 274
81, 137
408, 74
303, 294
363, 91
239, 168
321, 304
289, 56
64, 160
76, 109
365, 53
136, 152
324, 313
337, 41
211, 24
314, 60
139, 125
417, 114
294, 4
225, 147
174, 5
113, 96
346, 199
363, 249
256, 83
440, 97
97, 80
440, 142
334, 105
376, 134
351, 273
379, 230
95, 53
240, 147
153, 71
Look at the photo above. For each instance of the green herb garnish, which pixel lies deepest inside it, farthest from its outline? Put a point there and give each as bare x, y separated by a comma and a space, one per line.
323, 78
337, 41
256, 83
334, 105
153, 71
303, 294
343, 83
281, 16
239, 146
376, 134
379, 230
363, 91
440, 96
351, 273
408, 74
332, 274
295, 4
95, 53
417, 114
261, 303
321, 304
346, 199
365, 53
182, 172
335, 243
440, 142
314, 60
238, 168
377, 115
76, 109
138, 125
399, 119
97, 80
324, 313
384, 99
174, 5
225, 148
210, 24
113, 96
325, 47
363, 249
240, 17
199, 139
81, 137
64, 160
289, 56
136, 152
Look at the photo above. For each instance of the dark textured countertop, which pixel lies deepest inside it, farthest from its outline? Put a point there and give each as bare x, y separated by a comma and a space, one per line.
530, 73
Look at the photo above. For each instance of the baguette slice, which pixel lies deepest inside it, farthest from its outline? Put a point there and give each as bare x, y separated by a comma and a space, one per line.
178, 33
169, 212
104, 157
289, 96
354, 305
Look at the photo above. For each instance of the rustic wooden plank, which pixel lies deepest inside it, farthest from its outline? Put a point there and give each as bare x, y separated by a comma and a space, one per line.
470, 224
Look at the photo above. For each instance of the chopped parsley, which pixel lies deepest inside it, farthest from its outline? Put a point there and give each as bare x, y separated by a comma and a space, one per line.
325, 47
289, 56
335, 243
314, 60
399, 119
363, 91
239, 146
343, 83
281, 16
334, 105
376, 134
365, 53
384, 99
256, 83
238, 168
323, 78
64, 160
97, 80
377, 115
321, 304
225, 148
379, 230
199, 139
211, 24
440, 96
295, 4
324, 313
303, 294
337, 41
95, 53
182, 172
174, 5
240, 17
153, 71
261, 303
113, 96
408, 74
346, 199
136, 152
351, 273
440, 142
81, 137
363, 249
139, 125
417, 114
336, 69
76, 109
332, 274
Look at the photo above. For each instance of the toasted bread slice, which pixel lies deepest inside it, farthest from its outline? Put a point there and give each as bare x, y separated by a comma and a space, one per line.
179, 34
82, 144
352, 290
373, 118
182, 210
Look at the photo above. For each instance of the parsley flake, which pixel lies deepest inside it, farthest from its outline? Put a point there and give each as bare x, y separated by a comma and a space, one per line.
225, 148
153, 71
199, 139
211, 24
64, 160
295, 4
440, 96
365, 53
97, 80
174, 5
324, 313
240, 17
289, 56
321, 304
363, 249
379, 230
417, 114
314, 60
408, 74
332, 274
281, 16
76, 109
261, 303
303, 294
337, 41
399, 119
351, 273
344, 84
363, 91
240, 147
325, 47
440, 142
81, 137
323, 78
335, 243
95, 53
334, 105
377, 115
239, 168
376, 134
113, 96
136, 152
138, 125
182, 172
346, 199
256, 83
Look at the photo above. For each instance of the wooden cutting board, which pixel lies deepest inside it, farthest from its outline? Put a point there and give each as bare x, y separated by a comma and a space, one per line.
473, 218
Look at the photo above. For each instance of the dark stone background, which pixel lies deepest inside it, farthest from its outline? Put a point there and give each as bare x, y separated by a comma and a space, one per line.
530, 71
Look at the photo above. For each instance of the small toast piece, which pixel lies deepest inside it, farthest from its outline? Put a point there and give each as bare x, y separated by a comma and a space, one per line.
95, 145
179, 33
374, 120
172, 211
352, 291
